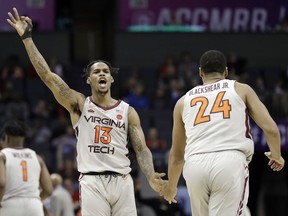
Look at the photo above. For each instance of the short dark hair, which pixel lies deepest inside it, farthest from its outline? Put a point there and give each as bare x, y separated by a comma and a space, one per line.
213, 61
113, 70
15, 128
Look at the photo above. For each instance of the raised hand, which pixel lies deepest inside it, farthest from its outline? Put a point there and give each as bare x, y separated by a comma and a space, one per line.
275, 164
23, 25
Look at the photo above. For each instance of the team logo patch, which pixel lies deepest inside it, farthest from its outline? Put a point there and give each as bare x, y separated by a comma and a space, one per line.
119, 117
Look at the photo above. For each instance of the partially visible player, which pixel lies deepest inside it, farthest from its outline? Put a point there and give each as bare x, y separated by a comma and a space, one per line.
211, 134
24, 178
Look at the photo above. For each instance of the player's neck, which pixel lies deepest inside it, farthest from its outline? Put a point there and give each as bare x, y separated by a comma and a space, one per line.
212, 78
103, 100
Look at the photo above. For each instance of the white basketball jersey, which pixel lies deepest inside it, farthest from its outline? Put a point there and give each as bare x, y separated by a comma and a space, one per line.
22, 173
102, 137
216, 119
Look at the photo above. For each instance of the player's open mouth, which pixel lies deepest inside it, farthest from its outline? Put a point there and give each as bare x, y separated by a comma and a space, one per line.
102, 82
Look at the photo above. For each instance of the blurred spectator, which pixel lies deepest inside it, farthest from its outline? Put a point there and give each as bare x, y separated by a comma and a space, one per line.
235, 64
65, 147
158, 148
59, 125
73, 188
131, 82
188, 70
41, 110
260, 88
13, 104
12, 69
56, 66
160, 100
176, 91
136, 97
167, 71
69, 170
61, 203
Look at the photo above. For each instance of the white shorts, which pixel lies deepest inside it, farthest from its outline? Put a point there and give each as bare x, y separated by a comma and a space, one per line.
217, 183
107, 195
22, 207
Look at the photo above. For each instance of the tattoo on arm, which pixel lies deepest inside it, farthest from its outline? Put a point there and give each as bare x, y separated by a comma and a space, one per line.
143, 154
38, 62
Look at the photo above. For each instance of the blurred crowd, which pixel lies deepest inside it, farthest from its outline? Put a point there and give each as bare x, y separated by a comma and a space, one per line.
153, 92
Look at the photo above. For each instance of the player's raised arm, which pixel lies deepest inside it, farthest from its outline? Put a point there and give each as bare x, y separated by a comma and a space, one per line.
143, 154
67, 97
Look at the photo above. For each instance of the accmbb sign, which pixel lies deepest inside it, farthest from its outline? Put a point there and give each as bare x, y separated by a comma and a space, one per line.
259, 136
40, 11
202, 15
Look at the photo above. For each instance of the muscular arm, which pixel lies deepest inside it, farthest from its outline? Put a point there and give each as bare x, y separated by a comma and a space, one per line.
136, 135
261, 116
68, 98
176, 155
45, 180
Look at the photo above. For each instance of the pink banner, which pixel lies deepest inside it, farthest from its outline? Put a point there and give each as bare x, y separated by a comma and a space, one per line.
40, 11
204, 15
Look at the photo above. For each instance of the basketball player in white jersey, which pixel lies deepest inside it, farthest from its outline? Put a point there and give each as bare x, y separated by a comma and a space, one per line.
103, 126
22, 174
212, 141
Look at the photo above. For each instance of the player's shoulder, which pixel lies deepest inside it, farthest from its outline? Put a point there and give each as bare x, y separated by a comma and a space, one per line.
242, 87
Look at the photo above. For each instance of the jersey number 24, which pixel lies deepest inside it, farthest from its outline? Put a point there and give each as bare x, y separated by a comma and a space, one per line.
219, 106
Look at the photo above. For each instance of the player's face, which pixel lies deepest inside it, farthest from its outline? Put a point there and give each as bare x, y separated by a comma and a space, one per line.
100, 77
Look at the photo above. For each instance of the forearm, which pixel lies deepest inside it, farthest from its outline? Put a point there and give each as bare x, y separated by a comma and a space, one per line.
175, 167
145, 161
274, 142
44, 194
37, 60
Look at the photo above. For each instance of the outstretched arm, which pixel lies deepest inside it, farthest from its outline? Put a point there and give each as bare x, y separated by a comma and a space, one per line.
67, 97
143, 154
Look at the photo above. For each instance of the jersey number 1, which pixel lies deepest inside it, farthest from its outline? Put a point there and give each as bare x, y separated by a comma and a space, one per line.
220, 105
24, 170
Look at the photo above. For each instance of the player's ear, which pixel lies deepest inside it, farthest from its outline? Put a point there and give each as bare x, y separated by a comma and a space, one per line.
226, 72
112, 80
88, 80
200, 72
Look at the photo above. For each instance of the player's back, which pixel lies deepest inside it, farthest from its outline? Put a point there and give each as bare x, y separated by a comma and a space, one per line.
216, 119
22, 173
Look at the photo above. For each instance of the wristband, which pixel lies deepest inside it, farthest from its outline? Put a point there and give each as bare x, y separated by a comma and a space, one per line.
28, 31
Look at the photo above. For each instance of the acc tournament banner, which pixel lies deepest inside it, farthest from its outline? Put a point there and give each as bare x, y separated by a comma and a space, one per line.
40, 11
259, 136
204, 15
